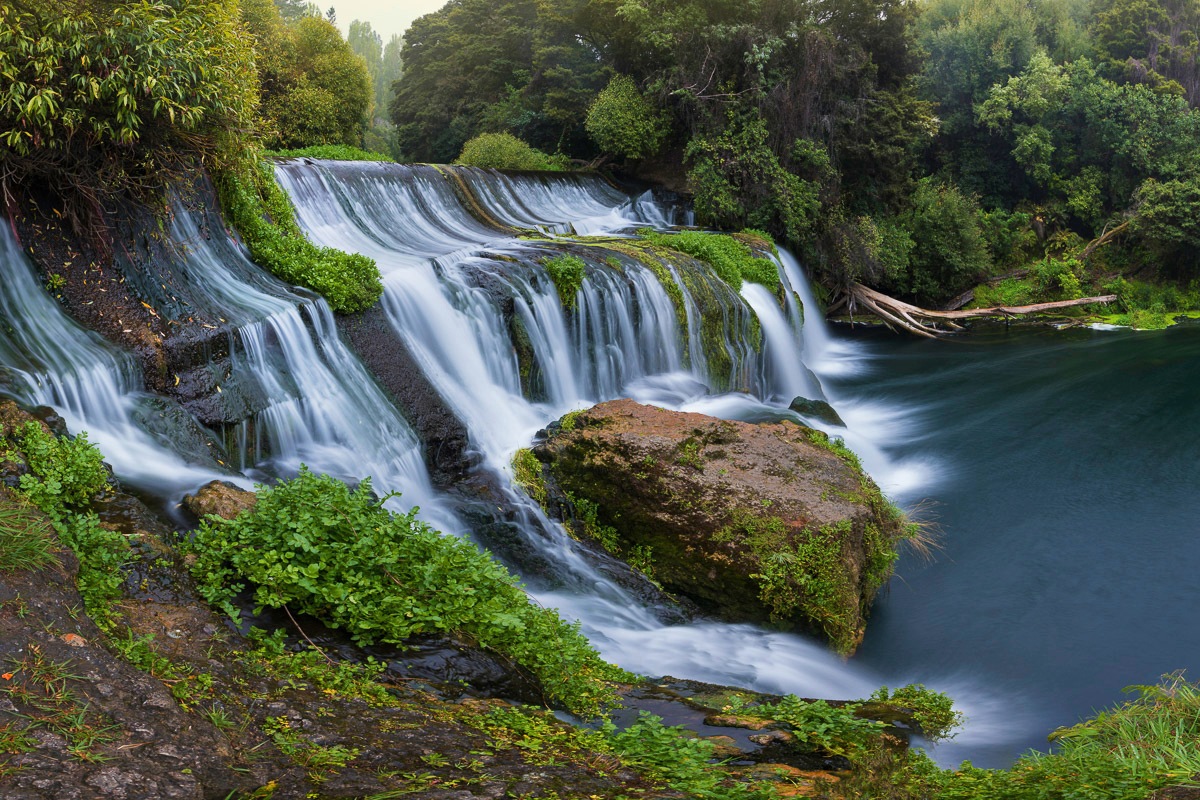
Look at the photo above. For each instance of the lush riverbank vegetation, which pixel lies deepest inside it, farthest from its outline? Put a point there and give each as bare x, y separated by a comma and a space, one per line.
921, 148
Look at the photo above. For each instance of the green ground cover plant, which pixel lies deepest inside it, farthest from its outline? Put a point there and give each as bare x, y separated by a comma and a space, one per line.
315, 546
65, 474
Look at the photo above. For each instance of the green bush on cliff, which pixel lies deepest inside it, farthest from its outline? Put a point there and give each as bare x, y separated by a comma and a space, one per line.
263, 215
320, 548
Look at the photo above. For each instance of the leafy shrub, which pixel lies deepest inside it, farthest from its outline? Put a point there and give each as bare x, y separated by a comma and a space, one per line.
933, 711
107, 97
624, 123
330, 152
64, 476
836, 730
732, 260
504, 151
739, 182
949, 252
317, 547
679, 760
262, 213
567, 272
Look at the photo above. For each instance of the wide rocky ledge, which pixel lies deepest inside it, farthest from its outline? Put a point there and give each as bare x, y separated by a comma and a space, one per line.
752, 521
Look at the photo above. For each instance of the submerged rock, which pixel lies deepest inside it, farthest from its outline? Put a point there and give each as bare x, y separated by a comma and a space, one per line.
817, 409
751, 521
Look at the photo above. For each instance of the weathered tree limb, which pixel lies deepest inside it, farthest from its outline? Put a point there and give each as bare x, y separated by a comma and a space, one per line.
922, 321
1104, 238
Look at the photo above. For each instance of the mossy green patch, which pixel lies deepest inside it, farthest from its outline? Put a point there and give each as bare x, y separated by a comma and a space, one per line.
730, 258
527, 472
800, 573
567, 272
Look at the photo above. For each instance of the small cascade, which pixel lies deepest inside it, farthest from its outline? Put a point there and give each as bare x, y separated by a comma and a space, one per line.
556, 202
320, 407
46, 359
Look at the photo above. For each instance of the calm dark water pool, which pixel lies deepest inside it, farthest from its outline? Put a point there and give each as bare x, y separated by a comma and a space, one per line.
1068, 501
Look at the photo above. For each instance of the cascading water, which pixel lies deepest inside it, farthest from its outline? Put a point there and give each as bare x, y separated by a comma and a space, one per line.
624, 337
46, 359
322, 408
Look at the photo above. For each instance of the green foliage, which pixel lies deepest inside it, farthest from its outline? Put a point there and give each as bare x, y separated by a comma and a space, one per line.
622, 122
800, 573
64, 476
740, 182
263, 215
316, 546
315, 90
732, 260
25, 539
933, 711
834, 729
108, 98
330, 152
504, 151
585, 524
678, 760
567, 272
948, 252
1125, 753
1166, 221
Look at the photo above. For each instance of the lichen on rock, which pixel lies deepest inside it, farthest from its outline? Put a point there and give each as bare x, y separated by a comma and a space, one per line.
768, 521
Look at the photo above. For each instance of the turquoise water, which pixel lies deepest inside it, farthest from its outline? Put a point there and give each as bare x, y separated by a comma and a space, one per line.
1067, 469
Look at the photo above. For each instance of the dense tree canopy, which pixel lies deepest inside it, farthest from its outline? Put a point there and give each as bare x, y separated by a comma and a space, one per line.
105, 98
314, 89
916, 146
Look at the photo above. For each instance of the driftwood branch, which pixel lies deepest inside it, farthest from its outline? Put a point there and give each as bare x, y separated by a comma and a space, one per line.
1104, 238
933, 324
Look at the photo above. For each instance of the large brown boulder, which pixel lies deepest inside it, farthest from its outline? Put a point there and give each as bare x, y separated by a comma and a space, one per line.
751, 521
221, 498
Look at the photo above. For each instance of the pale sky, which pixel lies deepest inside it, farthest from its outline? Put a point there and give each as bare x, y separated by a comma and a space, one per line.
386, 16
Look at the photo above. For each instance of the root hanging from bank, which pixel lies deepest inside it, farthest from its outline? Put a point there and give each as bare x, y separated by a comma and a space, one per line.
898, 315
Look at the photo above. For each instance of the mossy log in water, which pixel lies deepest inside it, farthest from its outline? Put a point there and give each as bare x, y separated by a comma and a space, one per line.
751, 521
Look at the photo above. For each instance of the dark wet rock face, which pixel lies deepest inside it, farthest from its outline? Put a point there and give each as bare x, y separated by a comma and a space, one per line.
751, 521
816, 409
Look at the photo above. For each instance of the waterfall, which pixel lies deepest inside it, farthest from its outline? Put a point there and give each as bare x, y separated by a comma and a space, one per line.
455, 305
47, 359
321, 407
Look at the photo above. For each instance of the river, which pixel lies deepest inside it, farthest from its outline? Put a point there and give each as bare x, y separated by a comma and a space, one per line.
1062, 479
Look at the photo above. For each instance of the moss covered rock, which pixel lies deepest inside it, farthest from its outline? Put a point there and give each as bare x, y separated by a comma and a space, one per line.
769, 521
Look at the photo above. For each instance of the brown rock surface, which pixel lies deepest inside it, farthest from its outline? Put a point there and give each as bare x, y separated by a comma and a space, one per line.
751, 521
221, 498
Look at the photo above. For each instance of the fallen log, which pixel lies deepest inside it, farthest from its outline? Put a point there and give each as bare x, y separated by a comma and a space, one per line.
923, 321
